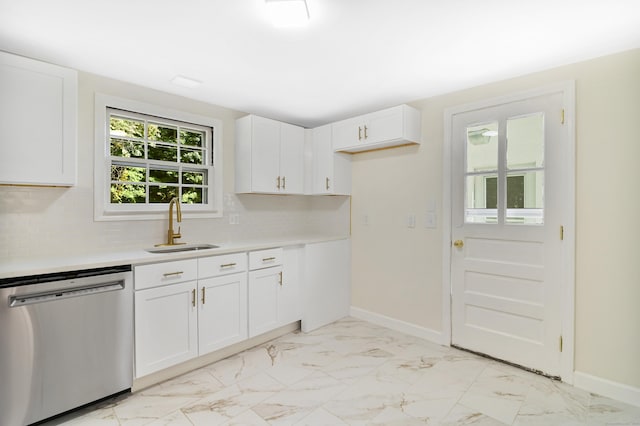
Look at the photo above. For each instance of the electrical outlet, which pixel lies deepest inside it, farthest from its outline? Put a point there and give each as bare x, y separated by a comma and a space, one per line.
234, 219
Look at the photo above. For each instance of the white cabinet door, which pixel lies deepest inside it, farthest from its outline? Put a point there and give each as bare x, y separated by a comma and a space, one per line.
384, 125
222, 312
331, 172
291, 159
289, 303
165, 326
269, 156
265, 155
327, 283
347, 133
38, 121
400, 125
263, 300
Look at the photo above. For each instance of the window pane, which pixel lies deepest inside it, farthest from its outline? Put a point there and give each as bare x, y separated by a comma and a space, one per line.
163, 133
120, 173
126, 148
192, 137
197, 178
163, 176
127, 193
191, 156
482, 147
163, 152
481, 195
525, 198
192, 195
162, 194
126, 127
525, 142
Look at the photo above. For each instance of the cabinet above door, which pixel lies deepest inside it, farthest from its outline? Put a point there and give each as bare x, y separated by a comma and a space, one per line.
396, 126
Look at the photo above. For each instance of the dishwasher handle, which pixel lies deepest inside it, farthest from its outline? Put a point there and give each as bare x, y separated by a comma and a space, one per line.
48, 296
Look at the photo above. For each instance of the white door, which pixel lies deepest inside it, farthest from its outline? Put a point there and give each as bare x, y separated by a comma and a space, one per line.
165, 326
263, 300
289, 305
265, 155
291, 159
506, 259
222, 315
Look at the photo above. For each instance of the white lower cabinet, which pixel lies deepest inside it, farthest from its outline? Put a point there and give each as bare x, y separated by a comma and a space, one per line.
274, 289
165, 327
188, 308
176, 321
327, 283
289, 302
263, 299
222, 315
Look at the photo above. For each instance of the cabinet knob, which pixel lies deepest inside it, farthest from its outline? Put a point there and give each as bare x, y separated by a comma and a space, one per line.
458, 243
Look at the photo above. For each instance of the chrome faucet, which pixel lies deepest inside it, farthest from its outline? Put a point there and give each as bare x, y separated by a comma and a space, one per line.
171, 235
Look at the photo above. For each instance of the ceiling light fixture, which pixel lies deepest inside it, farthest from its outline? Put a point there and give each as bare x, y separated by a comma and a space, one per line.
190, 83
288, 13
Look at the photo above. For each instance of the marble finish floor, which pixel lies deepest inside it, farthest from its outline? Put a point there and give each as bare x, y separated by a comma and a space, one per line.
352, 372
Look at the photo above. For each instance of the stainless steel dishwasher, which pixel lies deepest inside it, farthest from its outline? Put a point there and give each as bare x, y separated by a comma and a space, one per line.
66, 340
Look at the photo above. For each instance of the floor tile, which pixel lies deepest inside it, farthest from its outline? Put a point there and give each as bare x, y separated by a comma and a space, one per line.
352, 372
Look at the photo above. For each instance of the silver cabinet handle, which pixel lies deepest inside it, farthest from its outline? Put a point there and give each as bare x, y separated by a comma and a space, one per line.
327, 183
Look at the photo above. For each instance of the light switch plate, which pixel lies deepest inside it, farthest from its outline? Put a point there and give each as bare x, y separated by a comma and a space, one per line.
430, 220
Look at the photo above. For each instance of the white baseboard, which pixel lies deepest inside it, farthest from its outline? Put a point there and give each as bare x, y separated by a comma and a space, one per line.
608, 388
398, 325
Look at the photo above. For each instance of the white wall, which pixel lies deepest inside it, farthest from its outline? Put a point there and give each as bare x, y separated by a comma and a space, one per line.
397, 270
45, 221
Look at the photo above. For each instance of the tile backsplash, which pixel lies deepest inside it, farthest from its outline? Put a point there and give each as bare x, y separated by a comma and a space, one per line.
43, 221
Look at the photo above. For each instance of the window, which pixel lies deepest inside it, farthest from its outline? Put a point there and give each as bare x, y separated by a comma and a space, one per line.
146, 155
511, 168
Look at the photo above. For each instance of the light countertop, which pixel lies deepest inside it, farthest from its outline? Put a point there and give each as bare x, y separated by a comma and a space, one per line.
53, 264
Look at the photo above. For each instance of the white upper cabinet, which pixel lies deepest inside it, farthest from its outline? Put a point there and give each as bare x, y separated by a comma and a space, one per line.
330, 171
38, 103
400, 125
269, 156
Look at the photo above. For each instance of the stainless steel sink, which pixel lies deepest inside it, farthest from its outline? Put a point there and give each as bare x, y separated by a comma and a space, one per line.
181, 248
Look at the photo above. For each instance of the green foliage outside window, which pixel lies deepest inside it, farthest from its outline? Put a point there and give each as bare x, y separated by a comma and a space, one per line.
166, 148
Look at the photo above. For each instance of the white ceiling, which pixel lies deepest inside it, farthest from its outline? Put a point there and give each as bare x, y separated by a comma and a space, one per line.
354, 56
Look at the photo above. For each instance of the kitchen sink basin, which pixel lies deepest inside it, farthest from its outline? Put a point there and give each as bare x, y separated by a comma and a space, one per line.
181, 248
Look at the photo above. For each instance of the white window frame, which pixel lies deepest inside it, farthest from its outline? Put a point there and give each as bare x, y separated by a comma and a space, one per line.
104, 210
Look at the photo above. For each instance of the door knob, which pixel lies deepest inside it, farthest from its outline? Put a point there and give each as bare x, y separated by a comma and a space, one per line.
458, 243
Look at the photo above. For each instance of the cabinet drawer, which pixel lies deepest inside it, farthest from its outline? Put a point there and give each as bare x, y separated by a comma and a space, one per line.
222, 265
158, 274
265, 258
